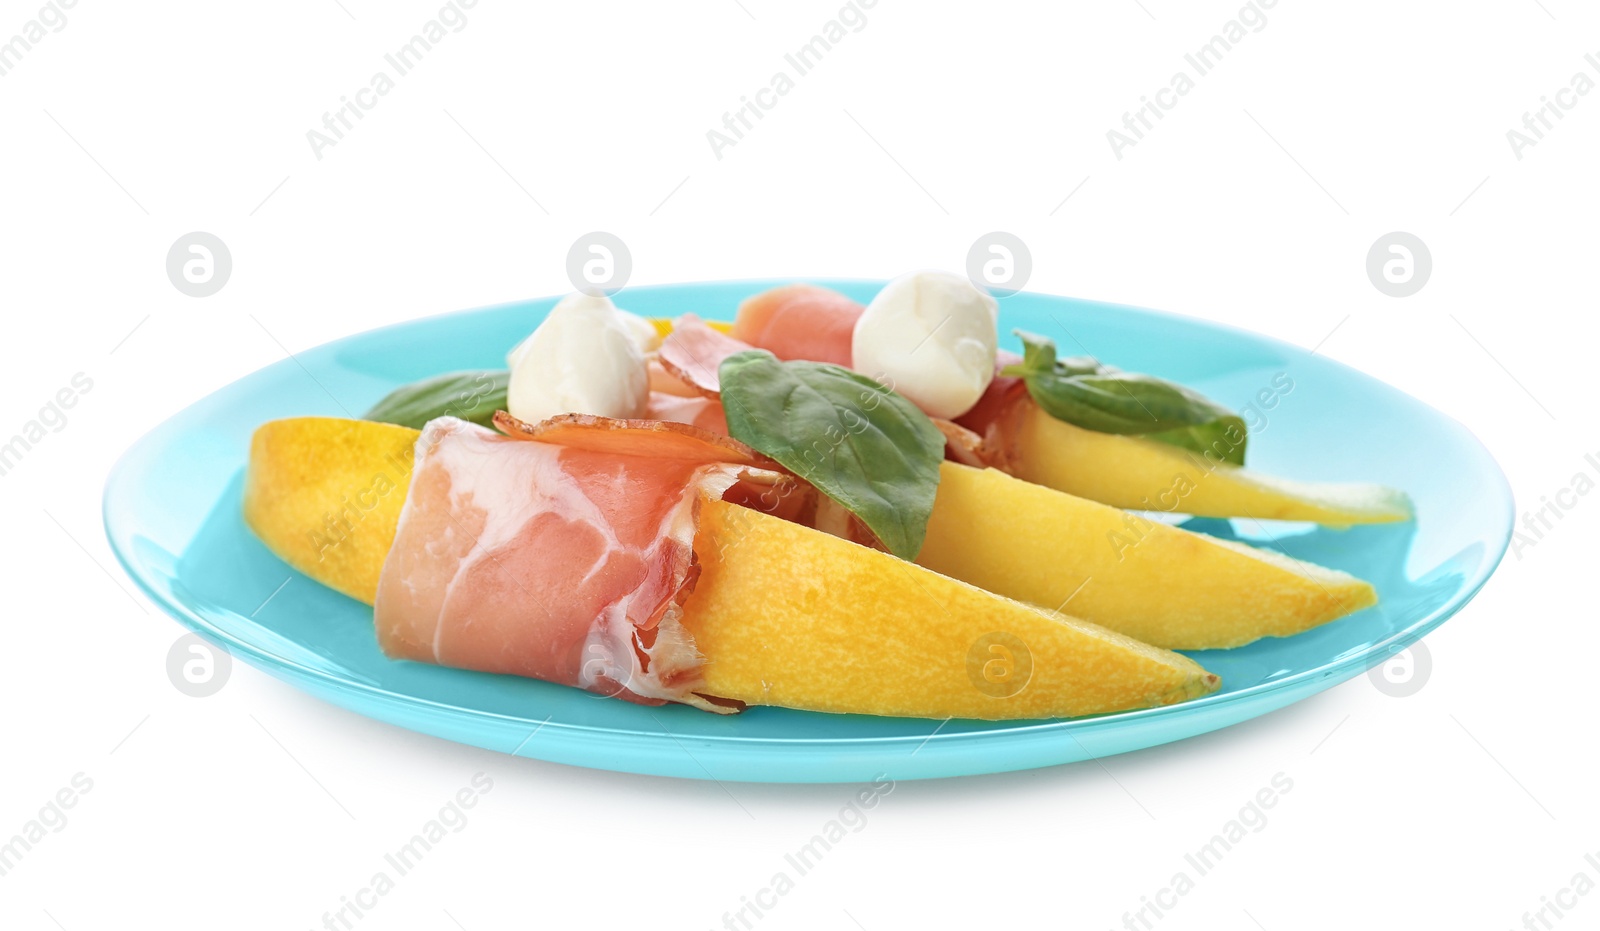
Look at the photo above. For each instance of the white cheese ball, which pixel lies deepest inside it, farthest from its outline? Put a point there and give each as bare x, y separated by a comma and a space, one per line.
585, 358
932, 337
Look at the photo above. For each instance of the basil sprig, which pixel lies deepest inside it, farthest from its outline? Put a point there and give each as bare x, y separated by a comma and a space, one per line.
859, 443
472, 396
1084, 393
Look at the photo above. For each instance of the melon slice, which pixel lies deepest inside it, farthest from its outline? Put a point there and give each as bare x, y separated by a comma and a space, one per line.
1132, 472
789, 616
1161, 584
324, 493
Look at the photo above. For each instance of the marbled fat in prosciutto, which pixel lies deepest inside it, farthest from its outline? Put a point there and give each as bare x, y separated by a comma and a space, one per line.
562, 552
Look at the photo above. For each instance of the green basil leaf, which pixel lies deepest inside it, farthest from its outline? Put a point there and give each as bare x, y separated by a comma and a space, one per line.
859, 443
472, 396
1039, 357
1084, 393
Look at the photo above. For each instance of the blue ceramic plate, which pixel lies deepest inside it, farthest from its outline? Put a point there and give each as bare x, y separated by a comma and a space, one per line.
172, 511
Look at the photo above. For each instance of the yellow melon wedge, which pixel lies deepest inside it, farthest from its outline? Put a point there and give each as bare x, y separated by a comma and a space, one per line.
789, 616
1131, 472
324, 493
785, 615
1161, 584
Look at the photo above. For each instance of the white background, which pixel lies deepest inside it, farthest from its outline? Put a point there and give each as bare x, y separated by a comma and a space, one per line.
1253, 202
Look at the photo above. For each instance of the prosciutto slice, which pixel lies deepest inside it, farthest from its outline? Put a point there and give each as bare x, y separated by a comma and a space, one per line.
693, 353
800, 321
996, 418
961, 444
705, 413
565, 559
687, 389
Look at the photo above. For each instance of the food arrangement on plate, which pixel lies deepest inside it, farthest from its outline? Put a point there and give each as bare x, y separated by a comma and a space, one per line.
823, 505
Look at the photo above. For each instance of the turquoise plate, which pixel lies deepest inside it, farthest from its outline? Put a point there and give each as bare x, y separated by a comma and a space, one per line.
172, 512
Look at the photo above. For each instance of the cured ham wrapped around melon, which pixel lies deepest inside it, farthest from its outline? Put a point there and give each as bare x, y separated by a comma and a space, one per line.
562, 553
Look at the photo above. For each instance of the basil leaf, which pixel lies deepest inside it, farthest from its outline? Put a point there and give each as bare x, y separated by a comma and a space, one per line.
472, 396
1097, 397
859, 443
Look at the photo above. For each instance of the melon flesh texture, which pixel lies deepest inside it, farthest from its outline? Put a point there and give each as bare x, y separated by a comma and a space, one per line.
784, 615
1132, 472
788, 616
324, 493
1158, 583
